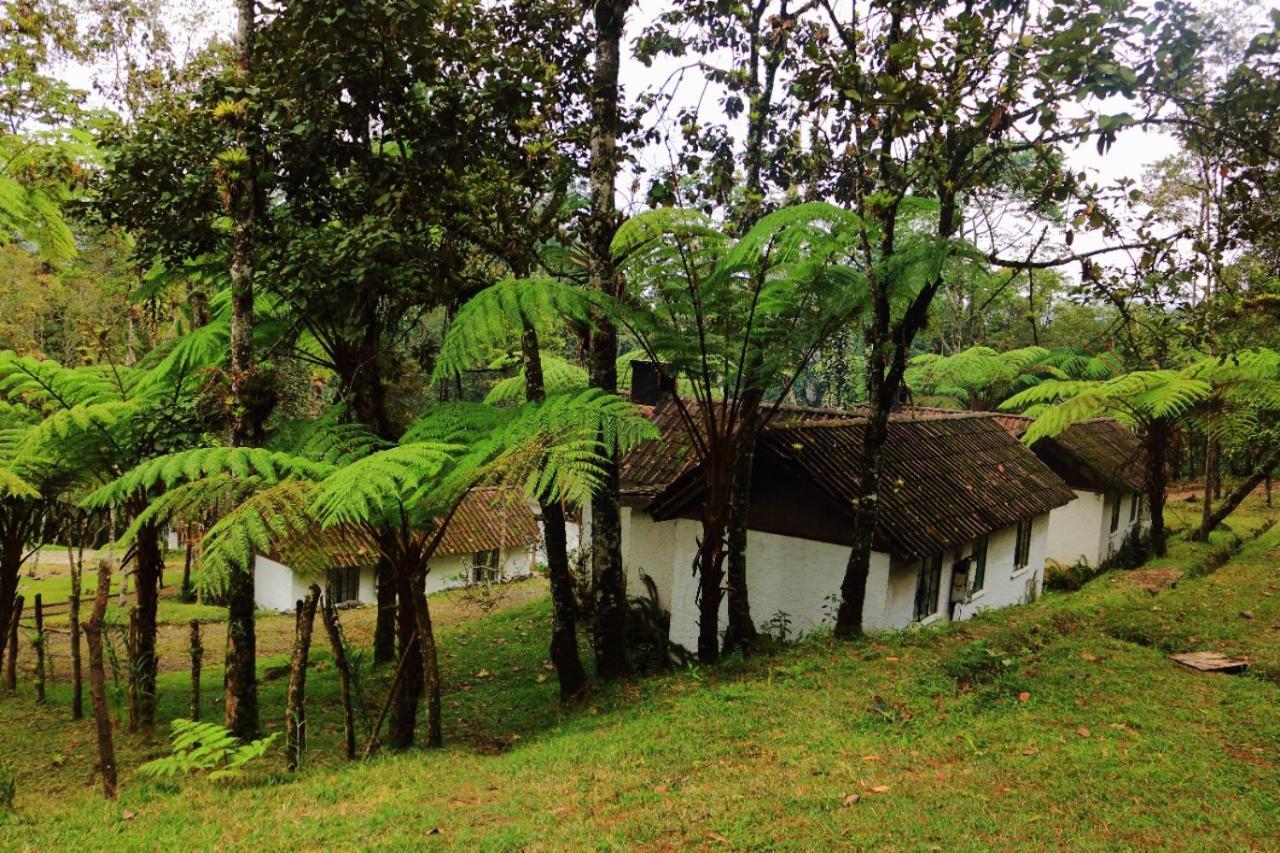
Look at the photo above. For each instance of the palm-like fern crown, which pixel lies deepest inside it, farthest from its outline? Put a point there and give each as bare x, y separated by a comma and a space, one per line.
981, 377
1232, 386
341, 487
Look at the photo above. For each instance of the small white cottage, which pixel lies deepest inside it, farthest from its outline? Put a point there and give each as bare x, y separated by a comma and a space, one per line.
489, 539
963, 524
1103, 463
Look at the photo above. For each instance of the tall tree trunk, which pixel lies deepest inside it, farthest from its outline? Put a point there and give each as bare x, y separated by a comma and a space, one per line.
384, 629
1246, 486
13, 540
39, 646
329, 614
1157, 437
741, 631
1211, 451
564, 620
75, 561
430, 663
11, 666
295, 723
149, 562
241, 677
197, 658
404, 712
609, 627
98, 681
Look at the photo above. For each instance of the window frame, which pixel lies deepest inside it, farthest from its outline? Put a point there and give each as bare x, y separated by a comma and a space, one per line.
344, 583
930, 570
1022, 545
1133, 506
1115, 512
484, 566
978, 576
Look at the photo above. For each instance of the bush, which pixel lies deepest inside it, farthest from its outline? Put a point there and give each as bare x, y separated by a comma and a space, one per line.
208, 748
649, 633
976, 663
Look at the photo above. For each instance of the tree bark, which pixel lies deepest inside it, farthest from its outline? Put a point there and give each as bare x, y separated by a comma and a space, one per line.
98, 681
11, 668
197, 659
609, 626
404, 713
1157, 438
1211, 451
149, 563
329, 615
295, 722
384, 632
75, 559
430, 664
741, 631
564, 623
240, 676
39, 647
1241, 491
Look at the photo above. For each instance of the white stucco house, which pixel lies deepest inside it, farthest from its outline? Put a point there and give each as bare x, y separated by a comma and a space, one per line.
964, 520
1103, 463
488, 539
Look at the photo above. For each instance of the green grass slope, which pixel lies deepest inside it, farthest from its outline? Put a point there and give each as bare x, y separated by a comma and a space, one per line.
1058, 724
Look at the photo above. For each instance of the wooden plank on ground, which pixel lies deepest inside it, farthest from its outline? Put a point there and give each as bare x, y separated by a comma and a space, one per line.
1211, 662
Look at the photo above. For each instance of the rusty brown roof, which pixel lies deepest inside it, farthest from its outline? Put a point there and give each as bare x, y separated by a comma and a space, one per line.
489, 519
1098, 455
947, 479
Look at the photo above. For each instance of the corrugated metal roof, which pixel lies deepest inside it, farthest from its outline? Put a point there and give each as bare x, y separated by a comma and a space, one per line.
489, 519
950, 476
1100, 455
946, 479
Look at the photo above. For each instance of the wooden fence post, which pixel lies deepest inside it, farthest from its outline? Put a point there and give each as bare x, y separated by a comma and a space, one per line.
11, 669
98, 681
330, 616
197, 655
295, 738
38, 642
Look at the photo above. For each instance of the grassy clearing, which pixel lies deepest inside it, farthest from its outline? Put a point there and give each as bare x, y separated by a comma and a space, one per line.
1062, 723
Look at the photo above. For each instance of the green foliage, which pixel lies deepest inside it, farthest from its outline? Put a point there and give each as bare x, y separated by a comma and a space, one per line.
206, 748
494, 319
8, 787
972, 376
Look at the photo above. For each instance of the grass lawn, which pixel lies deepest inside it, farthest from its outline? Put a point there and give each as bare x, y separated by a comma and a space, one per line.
1062, 723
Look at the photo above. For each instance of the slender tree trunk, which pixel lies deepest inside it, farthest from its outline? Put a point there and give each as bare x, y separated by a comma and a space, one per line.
404, 713
1157, 438
149, 562
609, 627
11, 668
241, 677
75, 559
384, 632
329, 614
11, 549
295, 722
564, 623
98, 681
430, 664
1211, 451
184, 592
1241, 491
197, 659
853, 588
741, 631
39, 647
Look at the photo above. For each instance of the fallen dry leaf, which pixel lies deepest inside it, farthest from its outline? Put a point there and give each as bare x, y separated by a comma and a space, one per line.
129, 815
1083, 732
1024, 696
851, 799
870, 758
659, 789
879, 789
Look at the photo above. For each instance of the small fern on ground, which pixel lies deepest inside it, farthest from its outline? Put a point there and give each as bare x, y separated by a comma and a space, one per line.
206, 748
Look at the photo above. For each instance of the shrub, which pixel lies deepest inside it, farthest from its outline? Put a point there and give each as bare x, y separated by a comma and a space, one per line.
206, 748
8, 787
649, 632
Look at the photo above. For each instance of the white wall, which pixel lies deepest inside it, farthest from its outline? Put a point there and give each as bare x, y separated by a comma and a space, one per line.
452, 570
801, 577
276, 587
1081, 530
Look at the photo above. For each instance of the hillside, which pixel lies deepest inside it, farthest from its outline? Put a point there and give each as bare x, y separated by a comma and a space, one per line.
1061, 723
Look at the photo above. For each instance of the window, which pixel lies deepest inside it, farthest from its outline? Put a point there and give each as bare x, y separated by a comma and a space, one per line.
1022, 545
485, 566
927, 584
344, 584
1115, 512
1134, 500
979, 564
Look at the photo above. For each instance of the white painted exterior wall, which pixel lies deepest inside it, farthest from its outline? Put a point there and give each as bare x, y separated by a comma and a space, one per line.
277, 587
1081, 530
801, 577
